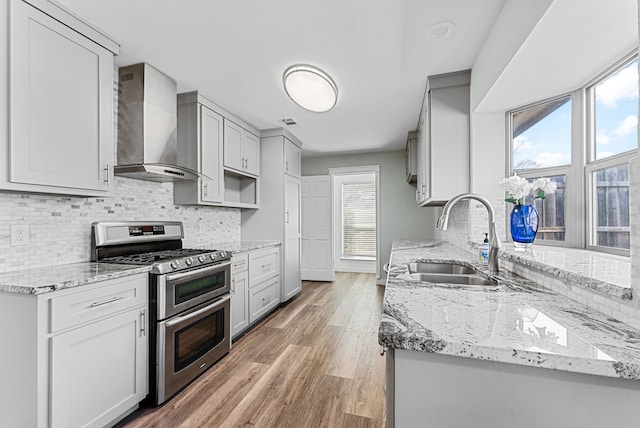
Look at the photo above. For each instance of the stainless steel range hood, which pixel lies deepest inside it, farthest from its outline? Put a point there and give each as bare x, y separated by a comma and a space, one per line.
147, 126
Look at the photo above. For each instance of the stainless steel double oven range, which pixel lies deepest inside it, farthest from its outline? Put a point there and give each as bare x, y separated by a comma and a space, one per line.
189, 292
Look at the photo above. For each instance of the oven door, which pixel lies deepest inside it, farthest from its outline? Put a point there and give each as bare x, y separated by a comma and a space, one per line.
178, 292
189, 344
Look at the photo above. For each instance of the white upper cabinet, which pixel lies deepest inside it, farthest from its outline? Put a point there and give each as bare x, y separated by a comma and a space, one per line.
292, 159
211, 150
241, 149
60, 103
208, 142
200, 131
443, 139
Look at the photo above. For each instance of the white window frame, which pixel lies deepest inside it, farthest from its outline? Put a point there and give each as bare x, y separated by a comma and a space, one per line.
579, 198
574, 183
366, 169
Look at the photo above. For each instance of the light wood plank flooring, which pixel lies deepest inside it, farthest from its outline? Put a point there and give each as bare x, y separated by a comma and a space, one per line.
313, 363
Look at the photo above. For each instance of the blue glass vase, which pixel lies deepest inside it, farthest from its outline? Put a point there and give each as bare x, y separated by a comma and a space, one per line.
524, 225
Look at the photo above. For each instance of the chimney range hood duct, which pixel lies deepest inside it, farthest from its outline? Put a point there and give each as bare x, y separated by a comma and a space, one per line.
147, 126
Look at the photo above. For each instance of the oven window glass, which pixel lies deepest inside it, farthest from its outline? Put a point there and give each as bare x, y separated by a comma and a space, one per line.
197, 339
197, 287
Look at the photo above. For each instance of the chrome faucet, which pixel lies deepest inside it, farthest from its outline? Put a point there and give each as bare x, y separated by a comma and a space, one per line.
494, 240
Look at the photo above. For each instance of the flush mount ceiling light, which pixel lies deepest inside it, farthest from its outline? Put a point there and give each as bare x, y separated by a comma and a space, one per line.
310, 87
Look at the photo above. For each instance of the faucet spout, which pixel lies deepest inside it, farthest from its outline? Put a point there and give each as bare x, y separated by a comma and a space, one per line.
494, 240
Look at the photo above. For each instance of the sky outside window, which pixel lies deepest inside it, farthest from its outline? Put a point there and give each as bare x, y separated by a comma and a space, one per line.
542, 135
616, 112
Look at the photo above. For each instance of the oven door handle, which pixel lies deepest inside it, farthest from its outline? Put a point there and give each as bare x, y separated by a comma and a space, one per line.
197, 272
180, 319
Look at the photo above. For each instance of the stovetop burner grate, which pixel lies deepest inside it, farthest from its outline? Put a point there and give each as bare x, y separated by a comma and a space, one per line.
154, 256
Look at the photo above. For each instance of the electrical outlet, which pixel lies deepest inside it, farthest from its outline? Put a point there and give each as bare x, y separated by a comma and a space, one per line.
19, 234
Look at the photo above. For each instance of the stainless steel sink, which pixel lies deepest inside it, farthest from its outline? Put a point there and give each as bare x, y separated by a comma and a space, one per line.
453, 279
440, 268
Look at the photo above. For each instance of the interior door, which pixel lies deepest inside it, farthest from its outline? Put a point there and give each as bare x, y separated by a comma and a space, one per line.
317, 235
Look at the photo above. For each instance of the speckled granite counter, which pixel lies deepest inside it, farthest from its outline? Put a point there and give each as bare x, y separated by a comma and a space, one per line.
514, 322
606, 273
243, 246
51, 278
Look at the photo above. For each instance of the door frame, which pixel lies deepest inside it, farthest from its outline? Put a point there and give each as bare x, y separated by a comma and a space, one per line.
355, 170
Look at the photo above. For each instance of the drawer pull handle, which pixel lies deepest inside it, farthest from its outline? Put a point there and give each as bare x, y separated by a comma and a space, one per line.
106, 302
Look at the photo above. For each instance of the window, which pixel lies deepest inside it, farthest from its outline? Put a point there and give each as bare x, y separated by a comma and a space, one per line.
359, 220
542, 135
582, 141
541, 147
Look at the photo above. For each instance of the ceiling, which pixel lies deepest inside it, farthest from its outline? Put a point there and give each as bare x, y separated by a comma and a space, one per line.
379, 52
571, 43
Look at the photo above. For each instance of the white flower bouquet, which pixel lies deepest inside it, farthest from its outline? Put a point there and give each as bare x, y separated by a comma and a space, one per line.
519, 188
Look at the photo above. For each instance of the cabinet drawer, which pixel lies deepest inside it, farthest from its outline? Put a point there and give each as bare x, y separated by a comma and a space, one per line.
263, 264
88, 305
239, 263
264, 297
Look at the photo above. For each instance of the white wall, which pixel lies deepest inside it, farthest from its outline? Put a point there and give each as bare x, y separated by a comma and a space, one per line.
510, 29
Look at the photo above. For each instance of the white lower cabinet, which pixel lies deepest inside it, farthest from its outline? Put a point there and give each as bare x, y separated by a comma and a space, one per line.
79, 355
263, 264
239, 294
96, 371
264, 282
263, 297
255, 286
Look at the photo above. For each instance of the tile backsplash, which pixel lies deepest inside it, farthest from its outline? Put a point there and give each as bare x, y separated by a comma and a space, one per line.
60, 226
469, 221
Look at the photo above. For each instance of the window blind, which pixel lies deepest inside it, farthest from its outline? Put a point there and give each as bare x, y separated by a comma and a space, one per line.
359, 220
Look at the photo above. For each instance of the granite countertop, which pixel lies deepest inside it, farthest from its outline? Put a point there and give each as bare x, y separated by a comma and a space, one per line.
516, 321
58, 277
52, 278
607, 273
236, 247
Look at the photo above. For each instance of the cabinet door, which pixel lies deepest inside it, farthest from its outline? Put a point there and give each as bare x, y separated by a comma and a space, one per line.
291, 278
251, 153
98, 371
421, 162
292, 158
61, 104
239, 302
233, 136
211, 155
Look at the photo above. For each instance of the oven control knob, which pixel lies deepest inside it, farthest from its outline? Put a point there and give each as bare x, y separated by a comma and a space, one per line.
189, 261
213, 256
201, 259
174, 264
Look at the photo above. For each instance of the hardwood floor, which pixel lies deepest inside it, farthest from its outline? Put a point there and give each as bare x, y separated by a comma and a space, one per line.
313, 363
